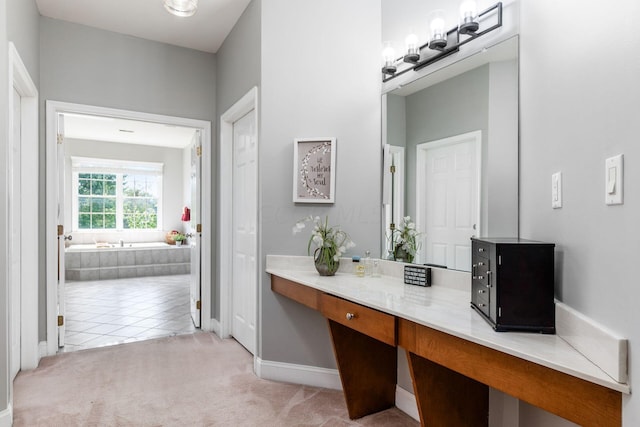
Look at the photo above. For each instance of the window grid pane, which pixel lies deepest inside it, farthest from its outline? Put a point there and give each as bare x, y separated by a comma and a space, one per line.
106, 200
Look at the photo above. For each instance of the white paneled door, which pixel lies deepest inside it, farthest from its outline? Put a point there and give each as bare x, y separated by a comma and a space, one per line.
244, 268
195, 234
448, 195
15, 238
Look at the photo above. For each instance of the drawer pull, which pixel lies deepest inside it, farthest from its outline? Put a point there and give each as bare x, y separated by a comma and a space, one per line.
350, 316
481, 263
482, 305
480, 249
480, 277
482, 291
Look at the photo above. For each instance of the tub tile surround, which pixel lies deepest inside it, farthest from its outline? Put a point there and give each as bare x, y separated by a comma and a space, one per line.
445, 307
115, 263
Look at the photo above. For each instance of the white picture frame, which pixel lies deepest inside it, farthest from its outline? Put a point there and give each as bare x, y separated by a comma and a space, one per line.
314, 170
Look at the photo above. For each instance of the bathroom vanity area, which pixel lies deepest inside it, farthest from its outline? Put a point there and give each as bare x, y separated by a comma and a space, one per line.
454, 355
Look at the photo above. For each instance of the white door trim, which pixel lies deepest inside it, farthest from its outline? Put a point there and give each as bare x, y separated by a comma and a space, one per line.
247, 103
20, 79
53, 108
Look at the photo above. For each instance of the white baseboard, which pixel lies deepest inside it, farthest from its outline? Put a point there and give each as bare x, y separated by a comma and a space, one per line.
297, 374
406, 402
214, 326
42, 350
6, 417
604, 348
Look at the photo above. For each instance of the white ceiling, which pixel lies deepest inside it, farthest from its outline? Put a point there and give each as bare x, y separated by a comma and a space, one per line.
148, 19
97, 128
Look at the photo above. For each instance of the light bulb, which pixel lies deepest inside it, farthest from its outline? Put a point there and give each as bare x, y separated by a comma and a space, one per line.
388, 58
468, 17
437, 32
413, 48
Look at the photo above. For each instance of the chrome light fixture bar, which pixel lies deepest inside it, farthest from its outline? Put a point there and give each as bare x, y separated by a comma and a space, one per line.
441, 44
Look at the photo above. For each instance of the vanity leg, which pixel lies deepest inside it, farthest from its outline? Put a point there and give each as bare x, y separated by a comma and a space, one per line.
447, 398
368, 370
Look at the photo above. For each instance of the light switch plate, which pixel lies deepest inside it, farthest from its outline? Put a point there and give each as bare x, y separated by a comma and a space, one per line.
556, 190
613, 178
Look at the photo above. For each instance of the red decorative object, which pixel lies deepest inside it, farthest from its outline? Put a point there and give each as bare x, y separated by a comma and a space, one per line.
186, 214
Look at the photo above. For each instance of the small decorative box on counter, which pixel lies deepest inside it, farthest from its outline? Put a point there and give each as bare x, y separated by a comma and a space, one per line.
417, 275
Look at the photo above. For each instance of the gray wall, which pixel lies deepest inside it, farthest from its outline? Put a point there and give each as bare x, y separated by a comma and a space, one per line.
577, 110
23, 31
90, 66
320, 78
238, 71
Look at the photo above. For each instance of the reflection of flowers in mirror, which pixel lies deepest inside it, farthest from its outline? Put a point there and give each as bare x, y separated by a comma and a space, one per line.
404, 240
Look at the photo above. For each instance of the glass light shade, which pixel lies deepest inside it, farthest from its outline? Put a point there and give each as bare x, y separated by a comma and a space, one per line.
388, 58
413, 48
182, 8
437, 31
468, 17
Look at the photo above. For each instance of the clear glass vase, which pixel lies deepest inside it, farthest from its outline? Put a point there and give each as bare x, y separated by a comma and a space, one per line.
325, 264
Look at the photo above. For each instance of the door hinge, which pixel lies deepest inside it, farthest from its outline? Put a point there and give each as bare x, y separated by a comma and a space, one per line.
199, 150
198, 228
392, 169
60, 320
198, 305
60, 230
60, 138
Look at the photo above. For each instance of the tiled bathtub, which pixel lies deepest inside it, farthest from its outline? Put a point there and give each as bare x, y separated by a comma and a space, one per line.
87, 262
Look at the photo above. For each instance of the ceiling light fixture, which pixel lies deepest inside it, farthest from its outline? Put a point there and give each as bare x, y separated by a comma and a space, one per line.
181, 8
441, 43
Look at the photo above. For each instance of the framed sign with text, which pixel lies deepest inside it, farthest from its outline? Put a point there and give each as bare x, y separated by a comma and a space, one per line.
314, 170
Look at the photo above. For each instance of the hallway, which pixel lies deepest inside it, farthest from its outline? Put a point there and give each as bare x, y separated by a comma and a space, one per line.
107, 312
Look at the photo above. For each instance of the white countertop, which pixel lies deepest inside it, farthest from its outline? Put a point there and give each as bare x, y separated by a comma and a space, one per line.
446, 309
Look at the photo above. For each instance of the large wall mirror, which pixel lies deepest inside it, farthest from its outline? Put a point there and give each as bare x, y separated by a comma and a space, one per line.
452, 139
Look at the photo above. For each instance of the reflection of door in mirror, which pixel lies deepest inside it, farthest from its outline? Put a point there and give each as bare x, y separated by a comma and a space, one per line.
394, 202
448, 199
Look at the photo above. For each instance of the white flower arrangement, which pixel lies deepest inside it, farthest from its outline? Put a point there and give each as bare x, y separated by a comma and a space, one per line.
404, 240
332, 241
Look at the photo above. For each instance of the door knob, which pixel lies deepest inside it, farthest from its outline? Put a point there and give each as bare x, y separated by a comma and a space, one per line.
69, 237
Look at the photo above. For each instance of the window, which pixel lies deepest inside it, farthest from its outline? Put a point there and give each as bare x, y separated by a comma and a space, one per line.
110, 195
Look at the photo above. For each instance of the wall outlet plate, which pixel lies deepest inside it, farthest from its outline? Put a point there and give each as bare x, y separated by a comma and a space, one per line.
613, 178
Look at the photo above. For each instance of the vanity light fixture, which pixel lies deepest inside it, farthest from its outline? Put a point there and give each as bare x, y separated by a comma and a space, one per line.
181, 8
442, 42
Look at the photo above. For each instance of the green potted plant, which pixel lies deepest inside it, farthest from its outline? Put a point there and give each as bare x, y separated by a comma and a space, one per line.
179, 238
404, 241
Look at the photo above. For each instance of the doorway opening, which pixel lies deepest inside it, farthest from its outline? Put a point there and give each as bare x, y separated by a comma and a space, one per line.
128, 188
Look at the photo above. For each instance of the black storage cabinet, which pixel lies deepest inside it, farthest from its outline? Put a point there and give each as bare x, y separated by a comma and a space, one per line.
512, 283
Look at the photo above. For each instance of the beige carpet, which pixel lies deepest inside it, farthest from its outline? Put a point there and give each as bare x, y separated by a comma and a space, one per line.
188, 380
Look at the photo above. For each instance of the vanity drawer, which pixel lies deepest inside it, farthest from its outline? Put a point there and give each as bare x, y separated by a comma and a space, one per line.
373, 323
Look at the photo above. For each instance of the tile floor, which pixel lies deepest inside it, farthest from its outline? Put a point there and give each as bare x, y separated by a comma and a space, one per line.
107, 312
